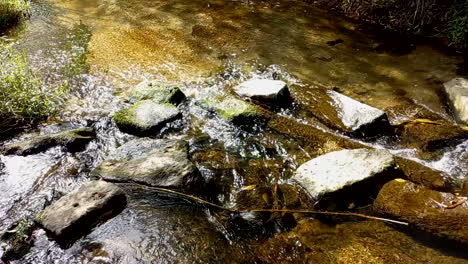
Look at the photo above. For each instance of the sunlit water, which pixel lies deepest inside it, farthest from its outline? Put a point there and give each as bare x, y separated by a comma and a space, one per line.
209, 47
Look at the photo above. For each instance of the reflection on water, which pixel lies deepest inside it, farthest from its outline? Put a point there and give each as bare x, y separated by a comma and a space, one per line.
210, 46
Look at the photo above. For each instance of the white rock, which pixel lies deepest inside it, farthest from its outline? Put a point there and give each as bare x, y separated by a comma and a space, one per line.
457, 90
356, 115
335, 170
266, 91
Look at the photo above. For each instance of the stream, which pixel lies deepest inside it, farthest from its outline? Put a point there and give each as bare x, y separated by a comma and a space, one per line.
209, 47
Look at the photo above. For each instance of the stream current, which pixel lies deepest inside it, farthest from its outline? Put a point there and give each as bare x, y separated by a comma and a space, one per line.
210, 46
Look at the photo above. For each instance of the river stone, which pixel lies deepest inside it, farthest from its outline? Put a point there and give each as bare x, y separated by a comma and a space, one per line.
265, 91
359, 118
415, 204
73, 140
78, 212
232, 109
158, 91
146, 117
335, 170
420, 174
153, 162
457, 90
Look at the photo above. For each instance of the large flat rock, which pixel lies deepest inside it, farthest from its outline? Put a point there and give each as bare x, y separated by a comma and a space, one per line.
457, 90
146, 117
153, 162
335, 170
78, 212
271, 92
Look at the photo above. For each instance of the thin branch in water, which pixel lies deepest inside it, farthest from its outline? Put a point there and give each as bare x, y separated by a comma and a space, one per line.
275, 210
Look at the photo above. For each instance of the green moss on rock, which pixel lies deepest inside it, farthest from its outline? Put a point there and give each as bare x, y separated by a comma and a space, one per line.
146, 117
232, 109
159, 92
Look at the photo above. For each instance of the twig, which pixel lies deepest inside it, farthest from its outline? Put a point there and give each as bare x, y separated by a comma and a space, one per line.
274, 210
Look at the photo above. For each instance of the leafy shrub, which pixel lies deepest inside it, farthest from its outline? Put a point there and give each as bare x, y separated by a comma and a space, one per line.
24, 98
458, 25
12, 11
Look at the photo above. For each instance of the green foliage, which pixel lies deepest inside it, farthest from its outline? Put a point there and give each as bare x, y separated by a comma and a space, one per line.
458, 25
12, 11
24, 98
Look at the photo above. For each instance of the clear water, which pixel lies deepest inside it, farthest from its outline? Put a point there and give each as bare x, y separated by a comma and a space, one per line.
210, 47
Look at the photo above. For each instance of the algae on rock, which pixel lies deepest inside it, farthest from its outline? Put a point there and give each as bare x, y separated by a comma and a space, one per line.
158, 91
146, 117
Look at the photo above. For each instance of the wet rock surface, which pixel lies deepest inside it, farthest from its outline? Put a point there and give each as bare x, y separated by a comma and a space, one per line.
73, 140
359, 118
339, 169
343, 113
78, 212
233, 110
270, 92
425, 176
157, 91
430, 137
146, 117
314, 241
424, 209
457, 90
153, 162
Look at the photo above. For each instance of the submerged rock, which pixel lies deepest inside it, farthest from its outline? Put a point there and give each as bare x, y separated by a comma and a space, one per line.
335, 170
233, 110
78, 212
429, 137
372, 242
153, 162
420, 174
457, 90
73, 140
273, 92
146, 118
159, 92
424, 209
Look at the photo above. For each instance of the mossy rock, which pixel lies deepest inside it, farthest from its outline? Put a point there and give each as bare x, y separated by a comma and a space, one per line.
73, 140
18, 240
146, 118
160, 92
233, 110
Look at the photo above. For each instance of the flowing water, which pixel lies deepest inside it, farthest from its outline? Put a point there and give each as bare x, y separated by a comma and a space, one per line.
210, 46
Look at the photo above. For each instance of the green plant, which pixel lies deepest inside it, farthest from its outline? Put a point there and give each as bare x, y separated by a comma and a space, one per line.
12, 11
24, 98
458, 25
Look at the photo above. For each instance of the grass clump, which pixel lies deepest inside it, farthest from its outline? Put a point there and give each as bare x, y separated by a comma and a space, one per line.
12, 11
24, 98
458, 25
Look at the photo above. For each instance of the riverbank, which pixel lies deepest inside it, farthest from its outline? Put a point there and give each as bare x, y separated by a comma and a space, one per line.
445, 21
